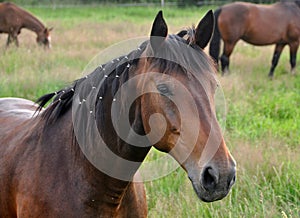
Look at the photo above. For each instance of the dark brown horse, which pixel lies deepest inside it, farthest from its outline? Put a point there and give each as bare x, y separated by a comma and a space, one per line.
79, 157
256, 24
14, 18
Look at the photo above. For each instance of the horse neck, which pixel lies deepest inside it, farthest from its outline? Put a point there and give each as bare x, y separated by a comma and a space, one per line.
114, 189
98, 188
32, 23
119, 146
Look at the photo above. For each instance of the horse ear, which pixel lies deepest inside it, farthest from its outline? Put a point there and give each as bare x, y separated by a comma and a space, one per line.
159, 31
205, 30
47, 30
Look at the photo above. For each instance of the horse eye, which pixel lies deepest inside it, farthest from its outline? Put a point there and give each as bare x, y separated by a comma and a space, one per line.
163, 89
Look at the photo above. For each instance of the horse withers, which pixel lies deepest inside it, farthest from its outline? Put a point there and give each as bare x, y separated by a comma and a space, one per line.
14, 18
80, 156
257, 24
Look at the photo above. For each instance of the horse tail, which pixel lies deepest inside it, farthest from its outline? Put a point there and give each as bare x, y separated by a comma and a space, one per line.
214, 47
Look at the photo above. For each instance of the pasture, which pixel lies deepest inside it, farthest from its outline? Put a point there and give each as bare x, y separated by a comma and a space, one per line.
263, 117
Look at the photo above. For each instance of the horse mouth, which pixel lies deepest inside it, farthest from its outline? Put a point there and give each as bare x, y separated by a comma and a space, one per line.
210, 195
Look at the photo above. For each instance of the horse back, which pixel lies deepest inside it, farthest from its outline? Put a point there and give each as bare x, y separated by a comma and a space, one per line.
11, 17
13, 112
8, 18
259, 24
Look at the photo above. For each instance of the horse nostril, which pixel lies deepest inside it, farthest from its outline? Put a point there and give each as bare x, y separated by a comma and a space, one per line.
231, 179
210, 178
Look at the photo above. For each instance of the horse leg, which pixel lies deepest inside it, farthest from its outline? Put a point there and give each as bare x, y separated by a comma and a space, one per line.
8, 40
16, 41
224, 63
276, 56
293, 55
228, 48
15, 38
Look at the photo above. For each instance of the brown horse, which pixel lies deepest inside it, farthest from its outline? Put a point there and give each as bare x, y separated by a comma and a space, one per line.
79, 157
278, 24
14, 18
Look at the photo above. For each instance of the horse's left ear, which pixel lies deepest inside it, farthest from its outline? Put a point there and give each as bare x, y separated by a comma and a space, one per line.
47, 30
159, 32
205, 30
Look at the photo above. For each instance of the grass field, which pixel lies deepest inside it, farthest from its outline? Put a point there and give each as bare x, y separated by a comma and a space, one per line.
263, 116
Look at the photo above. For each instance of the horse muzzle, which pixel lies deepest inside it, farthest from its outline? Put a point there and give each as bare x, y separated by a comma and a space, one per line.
213, 183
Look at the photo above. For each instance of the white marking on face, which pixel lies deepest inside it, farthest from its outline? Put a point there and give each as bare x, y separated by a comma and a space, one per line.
49, 40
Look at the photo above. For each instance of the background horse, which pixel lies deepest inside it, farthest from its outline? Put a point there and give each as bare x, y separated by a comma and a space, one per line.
258, 25
44, 166
13, 19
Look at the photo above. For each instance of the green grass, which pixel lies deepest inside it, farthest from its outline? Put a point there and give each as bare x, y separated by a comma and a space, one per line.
138, 15
263, 116
267, 110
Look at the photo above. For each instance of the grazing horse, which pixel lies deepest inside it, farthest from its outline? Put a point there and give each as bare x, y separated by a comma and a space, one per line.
77, 158
256, 24
14, 18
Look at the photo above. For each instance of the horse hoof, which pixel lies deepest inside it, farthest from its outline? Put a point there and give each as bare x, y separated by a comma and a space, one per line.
225, 71
293, 72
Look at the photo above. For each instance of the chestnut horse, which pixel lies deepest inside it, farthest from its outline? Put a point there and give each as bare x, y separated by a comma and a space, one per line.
256, 24
14, 18
75, 159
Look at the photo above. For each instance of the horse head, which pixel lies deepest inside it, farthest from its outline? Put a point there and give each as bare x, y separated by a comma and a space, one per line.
179, 79
44, 38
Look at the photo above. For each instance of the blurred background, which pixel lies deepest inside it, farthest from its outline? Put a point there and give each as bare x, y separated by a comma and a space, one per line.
131, 2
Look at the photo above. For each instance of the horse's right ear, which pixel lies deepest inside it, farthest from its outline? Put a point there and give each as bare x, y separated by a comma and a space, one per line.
47, 30
159, 32
205, 29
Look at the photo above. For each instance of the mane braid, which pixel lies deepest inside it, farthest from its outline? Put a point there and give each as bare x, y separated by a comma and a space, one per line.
63, 99
188, 34
191, 33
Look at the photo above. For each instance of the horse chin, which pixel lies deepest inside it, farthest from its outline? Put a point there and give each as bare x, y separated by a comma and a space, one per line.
46, 45
208, 196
